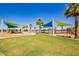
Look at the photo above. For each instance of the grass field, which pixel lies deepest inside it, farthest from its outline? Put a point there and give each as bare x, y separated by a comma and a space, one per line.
39, 45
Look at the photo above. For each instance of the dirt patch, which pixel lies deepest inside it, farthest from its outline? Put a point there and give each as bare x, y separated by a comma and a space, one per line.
9, 35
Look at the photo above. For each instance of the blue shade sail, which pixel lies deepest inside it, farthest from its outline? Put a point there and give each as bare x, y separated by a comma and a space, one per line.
48, 24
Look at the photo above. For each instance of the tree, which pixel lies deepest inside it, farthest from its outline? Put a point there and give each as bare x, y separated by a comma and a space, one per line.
26, 27
30, 26
39, 23
73, 10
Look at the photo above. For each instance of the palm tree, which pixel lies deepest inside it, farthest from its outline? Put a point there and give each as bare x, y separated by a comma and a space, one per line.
26, 27
39, 23
34, 28
30, 26
73, 10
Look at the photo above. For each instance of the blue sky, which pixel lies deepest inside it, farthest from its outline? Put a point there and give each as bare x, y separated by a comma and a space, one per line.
28, 13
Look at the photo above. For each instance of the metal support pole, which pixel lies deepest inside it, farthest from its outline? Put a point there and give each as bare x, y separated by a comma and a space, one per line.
53, 26
2, 25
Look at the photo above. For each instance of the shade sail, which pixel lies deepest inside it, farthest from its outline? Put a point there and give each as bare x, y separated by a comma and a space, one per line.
61, 23
49, 24
12, 25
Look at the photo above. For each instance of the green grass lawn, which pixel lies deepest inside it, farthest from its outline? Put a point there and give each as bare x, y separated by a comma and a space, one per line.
39, 45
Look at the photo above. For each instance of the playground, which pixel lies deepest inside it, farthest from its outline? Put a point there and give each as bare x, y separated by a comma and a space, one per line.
31, 30
16, 41
17, 30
